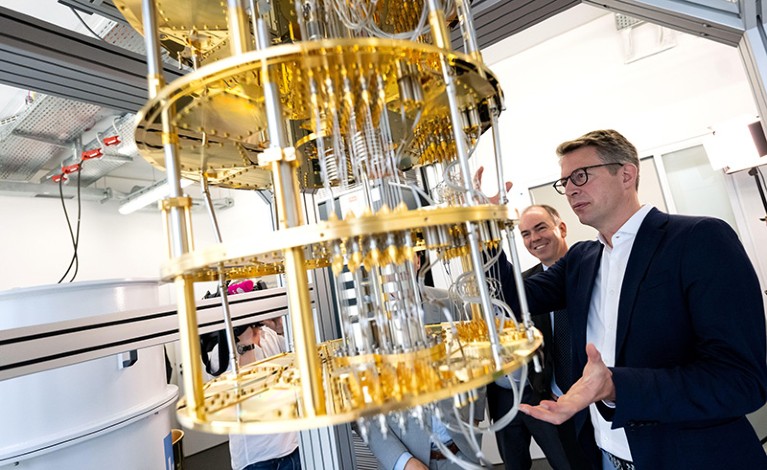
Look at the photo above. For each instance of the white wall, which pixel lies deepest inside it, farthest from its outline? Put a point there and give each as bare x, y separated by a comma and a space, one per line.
35, 247
579, 81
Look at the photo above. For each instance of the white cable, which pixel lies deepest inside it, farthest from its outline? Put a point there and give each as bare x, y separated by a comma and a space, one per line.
452, 457
516, 389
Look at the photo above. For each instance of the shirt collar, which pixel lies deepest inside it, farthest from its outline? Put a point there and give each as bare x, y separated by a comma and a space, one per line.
631, 226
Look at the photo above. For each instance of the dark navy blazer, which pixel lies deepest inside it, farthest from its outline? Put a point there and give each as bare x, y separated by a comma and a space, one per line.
690, 351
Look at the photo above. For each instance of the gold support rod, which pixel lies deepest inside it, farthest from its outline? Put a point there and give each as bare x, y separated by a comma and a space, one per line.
239, 31
299, 303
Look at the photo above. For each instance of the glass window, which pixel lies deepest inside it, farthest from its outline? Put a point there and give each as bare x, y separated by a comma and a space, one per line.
696, 188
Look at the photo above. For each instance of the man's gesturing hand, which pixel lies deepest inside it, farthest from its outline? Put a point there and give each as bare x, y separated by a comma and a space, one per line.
478, 186
595, 384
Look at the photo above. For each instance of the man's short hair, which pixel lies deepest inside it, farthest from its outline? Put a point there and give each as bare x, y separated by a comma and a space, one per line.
610, 145
549, 210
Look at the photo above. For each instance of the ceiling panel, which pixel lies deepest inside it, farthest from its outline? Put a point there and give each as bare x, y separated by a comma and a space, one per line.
718, 20
104, 8
39, 132
495, 20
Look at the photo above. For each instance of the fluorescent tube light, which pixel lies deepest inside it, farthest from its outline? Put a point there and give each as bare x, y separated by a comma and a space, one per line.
145, 196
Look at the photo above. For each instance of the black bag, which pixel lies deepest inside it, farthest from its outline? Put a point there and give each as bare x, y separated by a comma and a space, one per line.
208, 341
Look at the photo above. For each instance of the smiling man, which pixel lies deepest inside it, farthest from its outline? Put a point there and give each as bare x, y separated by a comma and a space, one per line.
543, 233
667, 322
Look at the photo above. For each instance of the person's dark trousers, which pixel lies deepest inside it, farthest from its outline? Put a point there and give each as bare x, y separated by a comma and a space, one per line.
291, 461
575, 454
514, 440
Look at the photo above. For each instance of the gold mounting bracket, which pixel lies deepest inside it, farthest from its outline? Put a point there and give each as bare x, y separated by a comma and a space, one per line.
276, 154
166, 204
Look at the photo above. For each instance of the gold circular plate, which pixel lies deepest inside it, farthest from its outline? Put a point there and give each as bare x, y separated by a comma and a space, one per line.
263, 255
204, 24
224, 102
264, 397
183, 22
228, 163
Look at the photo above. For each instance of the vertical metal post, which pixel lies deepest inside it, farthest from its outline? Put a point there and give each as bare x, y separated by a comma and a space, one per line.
525, 310
466, 22
753, 53
179, 236
503, 197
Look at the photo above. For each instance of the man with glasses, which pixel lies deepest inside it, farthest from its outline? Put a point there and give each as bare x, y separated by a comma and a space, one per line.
667, 323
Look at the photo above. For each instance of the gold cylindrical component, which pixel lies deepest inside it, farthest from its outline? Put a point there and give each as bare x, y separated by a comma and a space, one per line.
438, 26
190, 346
169, 138
239, 30
154, 84
286, 199
306, 357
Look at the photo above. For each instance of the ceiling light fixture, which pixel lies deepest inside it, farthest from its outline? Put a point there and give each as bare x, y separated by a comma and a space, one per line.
145, 196
735, 145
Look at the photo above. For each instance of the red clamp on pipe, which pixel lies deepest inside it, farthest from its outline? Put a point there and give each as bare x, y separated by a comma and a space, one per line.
69, 169
91, 154
63, 178
112, 140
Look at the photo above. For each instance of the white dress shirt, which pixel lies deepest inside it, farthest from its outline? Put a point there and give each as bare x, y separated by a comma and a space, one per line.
602, 322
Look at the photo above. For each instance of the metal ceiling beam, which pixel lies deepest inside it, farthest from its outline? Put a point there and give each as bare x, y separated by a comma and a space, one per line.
11, 188
718, 20
495, 20
753, 52
41, 138
103, 8
39, 56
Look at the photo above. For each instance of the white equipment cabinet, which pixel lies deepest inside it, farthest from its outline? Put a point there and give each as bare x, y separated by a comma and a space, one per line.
111, 412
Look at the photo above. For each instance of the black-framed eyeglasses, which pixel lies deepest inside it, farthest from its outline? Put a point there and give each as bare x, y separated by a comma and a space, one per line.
578, 177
